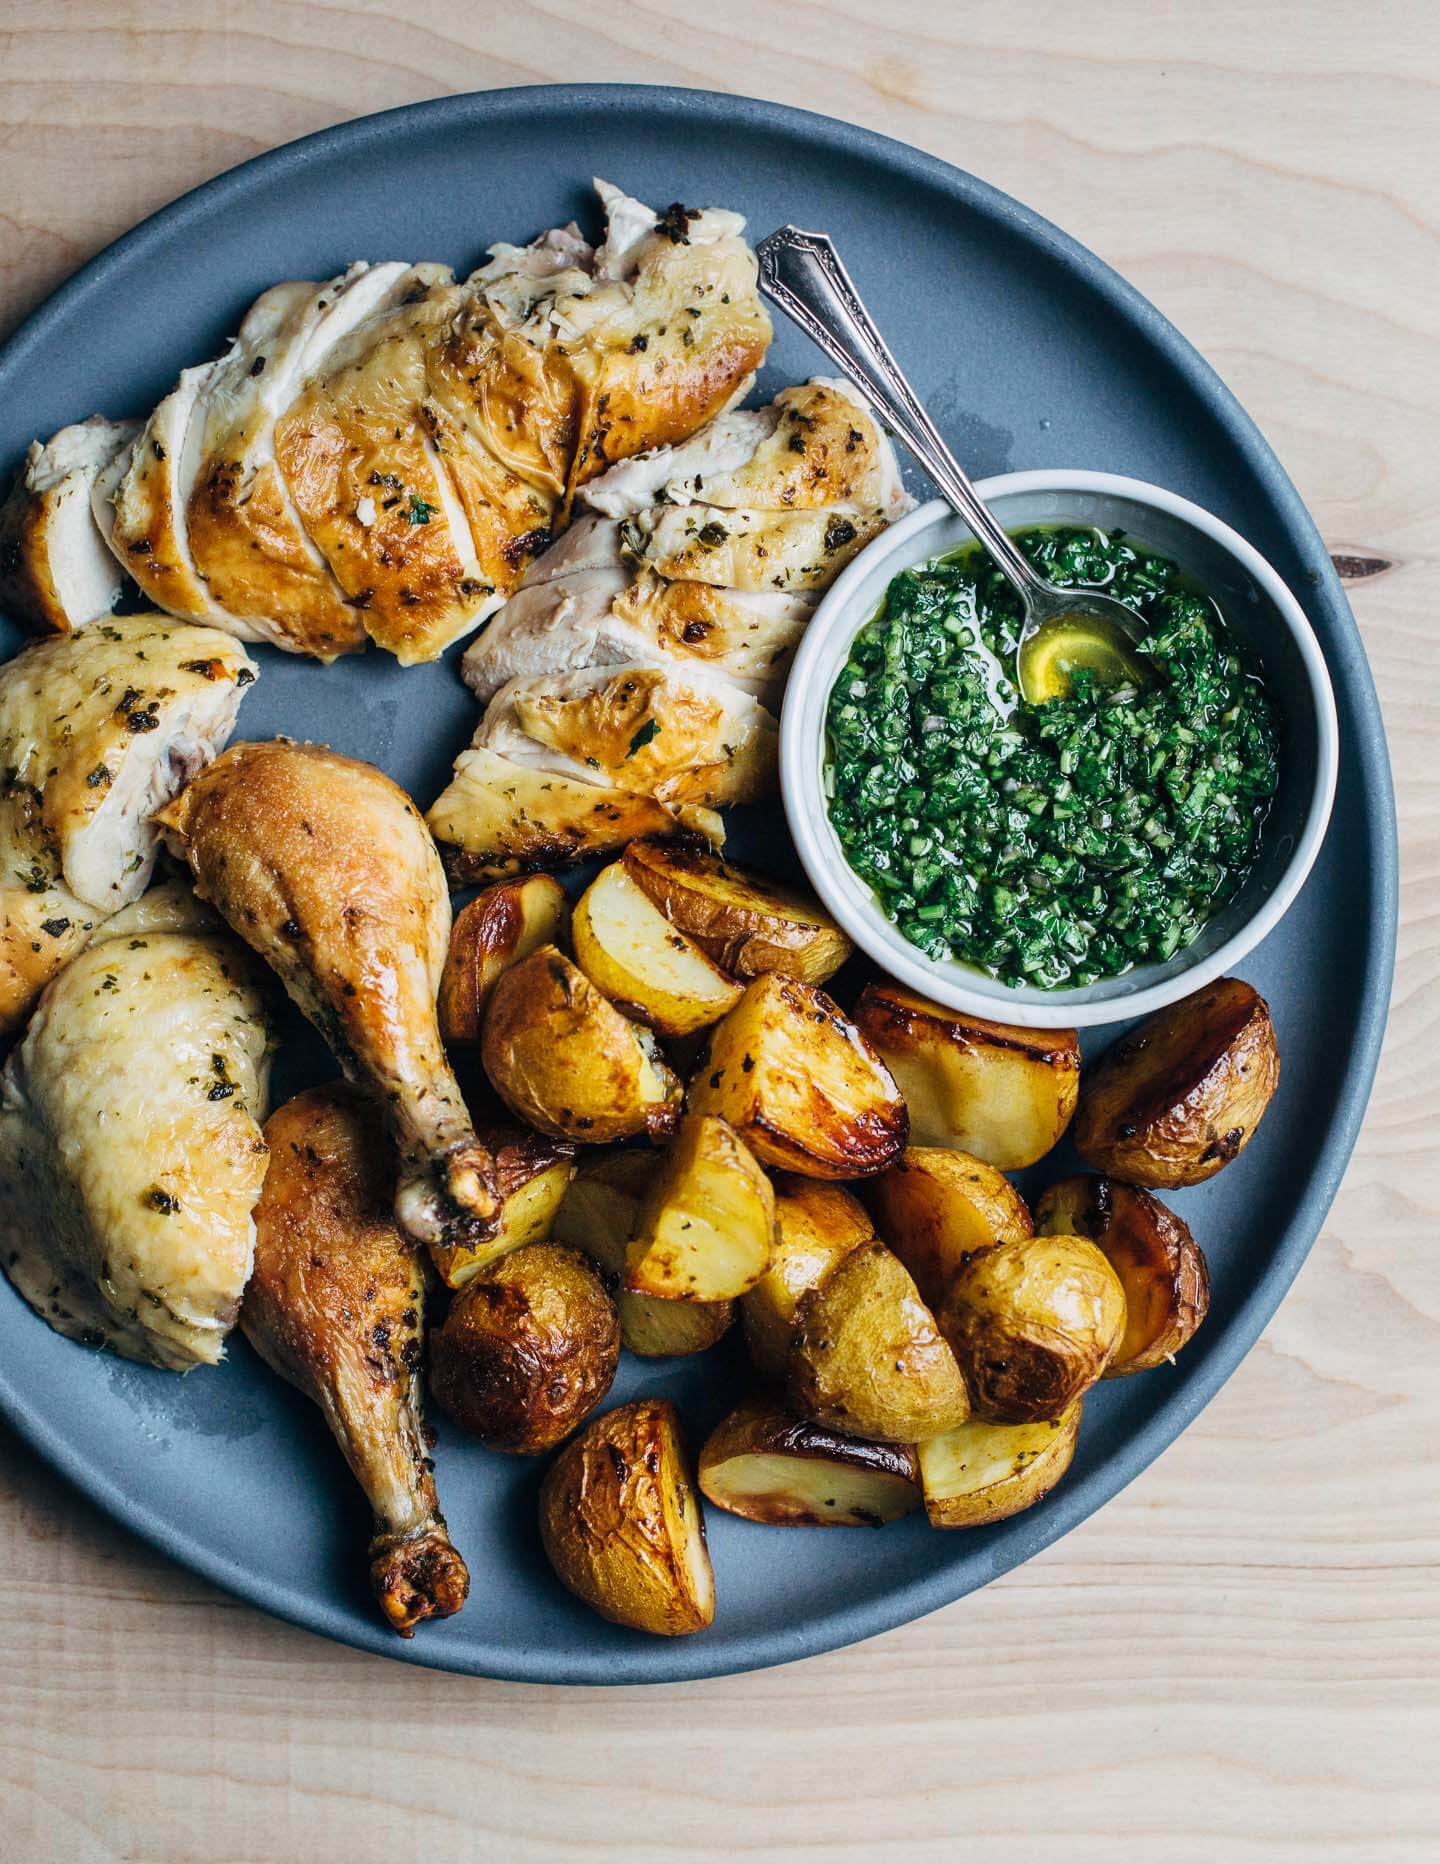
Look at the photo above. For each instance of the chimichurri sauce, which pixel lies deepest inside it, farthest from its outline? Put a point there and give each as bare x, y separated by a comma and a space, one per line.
1065, 842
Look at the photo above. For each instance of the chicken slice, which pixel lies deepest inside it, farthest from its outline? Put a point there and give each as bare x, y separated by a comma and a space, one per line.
325, 867
678, 475
784, 551
131, 1154
336, 1306
245, 537
583, 762
56, 570
97, 729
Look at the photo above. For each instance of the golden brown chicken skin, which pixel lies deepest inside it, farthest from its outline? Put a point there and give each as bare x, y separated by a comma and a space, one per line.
336, 1306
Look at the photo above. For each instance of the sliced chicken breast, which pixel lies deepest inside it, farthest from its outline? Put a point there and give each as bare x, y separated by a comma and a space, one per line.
56, 570
750, 549
678, 475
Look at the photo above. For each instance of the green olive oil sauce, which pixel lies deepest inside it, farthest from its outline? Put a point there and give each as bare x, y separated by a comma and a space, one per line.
1061, 842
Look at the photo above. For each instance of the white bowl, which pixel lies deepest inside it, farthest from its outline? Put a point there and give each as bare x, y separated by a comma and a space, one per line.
1264, 615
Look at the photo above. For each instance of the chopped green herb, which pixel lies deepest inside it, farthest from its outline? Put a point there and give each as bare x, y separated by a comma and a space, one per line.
647, 732
419, 512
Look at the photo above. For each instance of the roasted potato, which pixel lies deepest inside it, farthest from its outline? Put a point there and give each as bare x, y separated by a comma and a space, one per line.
816, 1224
800, 1084
646, 967
598, 1216
747, 924
1182, 1094
527, 1350
769, 1466
982, 1472
706, 1228
936, 1208
498, 928
1033, 1323
564, 1059
867, 1356
1002, 1093
531, 1173
621, 1522
1160, 1265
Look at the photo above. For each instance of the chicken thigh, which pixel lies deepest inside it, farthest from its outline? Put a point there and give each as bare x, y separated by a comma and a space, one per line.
336, 1306
131, 1154
97, 728
326, 868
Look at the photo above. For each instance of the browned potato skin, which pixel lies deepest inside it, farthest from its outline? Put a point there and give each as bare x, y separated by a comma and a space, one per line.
527, 1350
1181, 1095
817, 1224
745, 922
981, 1473
1034, 1324
1160, 1265
498, 928
939, 1057
531, 1172
565, 1060
936, 1207
886, 1473
868, 1358
611, 1528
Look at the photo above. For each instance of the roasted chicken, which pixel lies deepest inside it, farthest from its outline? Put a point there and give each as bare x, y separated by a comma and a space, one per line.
326, 869
380, 456
55, 572
336, 1306
97, 729
131, 1154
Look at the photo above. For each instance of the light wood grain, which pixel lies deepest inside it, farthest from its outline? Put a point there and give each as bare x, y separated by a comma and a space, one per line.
1238, 1658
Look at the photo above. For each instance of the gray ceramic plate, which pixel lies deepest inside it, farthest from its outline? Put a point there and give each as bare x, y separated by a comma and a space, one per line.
1031, 353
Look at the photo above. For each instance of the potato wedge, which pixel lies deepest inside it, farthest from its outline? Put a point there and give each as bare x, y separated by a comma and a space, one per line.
564, 1059
527, 1350
816, 1225
629, 950
1181, 1095
936, 1208
1160, 1265
747, 924
531, 1173
999, 1092
800, 1084
621, 1522
982, 1472
706, 1229
1033, 1323
867, 1356
498, 928
768, 1466
598, 1215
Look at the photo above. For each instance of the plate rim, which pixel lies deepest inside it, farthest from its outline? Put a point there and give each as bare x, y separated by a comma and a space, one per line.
1070, 1504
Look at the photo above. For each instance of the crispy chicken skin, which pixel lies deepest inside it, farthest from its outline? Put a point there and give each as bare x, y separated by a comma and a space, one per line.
55, 571
97, 728
131, 1154
336, 1306
325, 867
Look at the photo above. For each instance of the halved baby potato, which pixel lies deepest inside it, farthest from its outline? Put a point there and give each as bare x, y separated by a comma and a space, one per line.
816, 1225
868, 1358
531, 1174
1181, 1095
999, 1092
1033, 1323
982, 1472
598, 1215
748, 924
498, 928
768, 1466
936, 1208
800, 1084
628, 948
621, 1522
563, 1058
1160, 1265
706, 1229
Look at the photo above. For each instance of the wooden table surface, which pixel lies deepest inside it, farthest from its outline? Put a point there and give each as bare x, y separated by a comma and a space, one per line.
1239, 1658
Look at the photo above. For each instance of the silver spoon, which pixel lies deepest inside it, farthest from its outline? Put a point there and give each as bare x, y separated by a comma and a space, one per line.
802, 272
